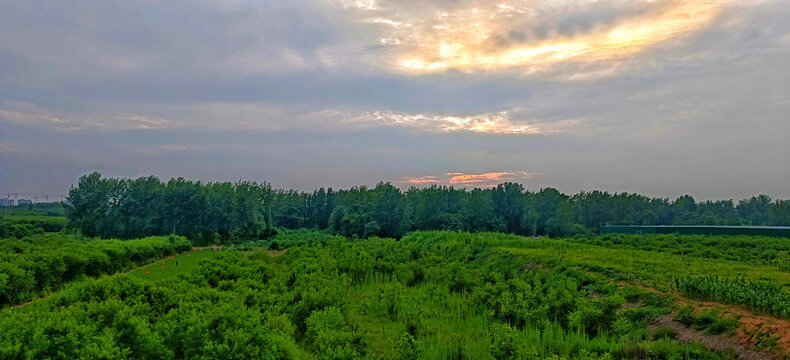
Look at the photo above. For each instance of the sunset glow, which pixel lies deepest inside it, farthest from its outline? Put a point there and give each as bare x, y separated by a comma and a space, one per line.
422, 180
485, 35
493, 123
460, 178
477, 180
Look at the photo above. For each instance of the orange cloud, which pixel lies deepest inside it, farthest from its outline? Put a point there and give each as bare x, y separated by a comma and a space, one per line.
421, 180
483, 179
459, 178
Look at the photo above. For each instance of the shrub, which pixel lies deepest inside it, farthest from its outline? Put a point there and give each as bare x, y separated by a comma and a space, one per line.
709, 322
664, 332
44, 263
764, 296
408, 348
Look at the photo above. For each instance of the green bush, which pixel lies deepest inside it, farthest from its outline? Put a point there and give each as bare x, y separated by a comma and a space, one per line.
408, 348
44, 263
754, 249
710, 322
764, 296
664, 332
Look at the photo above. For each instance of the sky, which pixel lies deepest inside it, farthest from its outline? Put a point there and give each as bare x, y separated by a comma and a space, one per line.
659, 97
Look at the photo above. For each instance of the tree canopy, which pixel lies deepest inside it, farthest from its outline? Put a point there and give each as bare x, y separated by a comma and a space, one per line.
226, 212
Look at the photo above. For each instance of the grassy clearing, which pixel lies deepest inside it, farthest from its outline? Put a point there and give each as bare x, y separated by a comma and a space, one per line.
172, 266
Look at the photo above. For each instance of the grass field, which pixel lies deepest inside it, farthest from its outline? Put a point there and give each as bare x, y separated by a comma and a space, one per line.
172, 266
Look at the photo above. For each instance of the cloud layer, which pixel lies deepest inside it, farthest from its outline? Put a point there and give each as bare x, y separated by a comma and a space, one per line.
663, 97
528, 35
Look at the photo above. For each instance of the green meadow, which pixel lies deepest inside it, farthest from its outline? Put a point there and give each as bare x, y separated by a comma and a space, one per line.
172, 266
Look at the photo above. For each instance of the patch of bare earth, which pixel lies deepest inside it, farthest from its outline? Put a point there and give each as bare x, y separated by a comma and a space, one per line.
714, 342
753, 330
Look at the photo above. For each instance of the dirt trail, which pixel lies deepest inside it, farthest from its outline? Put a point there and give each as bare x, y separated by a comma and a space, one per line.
753, 328
715, 342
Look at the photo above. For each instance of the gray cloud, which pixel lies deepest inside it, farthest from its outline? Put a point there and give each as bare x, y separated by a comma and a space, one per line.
303, 94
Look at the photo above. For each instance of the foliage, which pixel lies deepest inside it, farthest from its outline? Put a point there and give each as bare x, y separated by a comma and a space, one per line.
19, 225
301, 237
428, 296
709, 322
664, 332
44, 263
231, 212
18, 230
204, 212
746, 282
764, 296
753, 249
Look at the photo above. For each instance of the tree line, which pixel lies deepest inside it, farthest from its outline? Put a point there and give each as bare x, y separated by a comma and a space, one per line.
226, 212
386, 211
204, 212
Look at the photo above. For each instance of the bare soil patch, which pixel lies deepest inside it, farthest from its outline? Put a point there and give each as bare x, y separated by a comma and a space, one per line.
755, 331
715, 342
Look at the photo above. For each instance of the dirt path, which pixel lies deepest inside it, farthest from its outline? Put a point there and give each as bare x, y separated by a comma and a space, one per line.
715, 342
754, 329
31, 302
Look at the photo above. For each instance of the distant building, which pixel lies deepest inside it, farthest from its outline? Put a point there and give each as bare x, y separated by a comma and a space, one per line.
24, 202
6, 202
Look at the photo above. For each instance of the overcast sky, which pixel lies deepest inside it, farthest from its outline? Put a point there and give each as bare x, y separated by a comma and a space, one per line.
660, 97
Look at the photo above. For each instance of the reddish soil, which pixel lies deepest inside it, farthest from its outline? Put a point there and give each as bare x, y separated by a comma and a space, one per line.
715, 342
753, 327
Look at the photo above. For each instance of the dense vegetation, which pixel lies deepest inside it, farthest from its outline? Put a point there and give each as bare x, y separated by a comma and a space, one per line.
430, 295
41, 208
206, 213
231, 212
709, 322
41, 263
19, 226
469, 293
764, 296
25, 220
706, 275
753, 249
